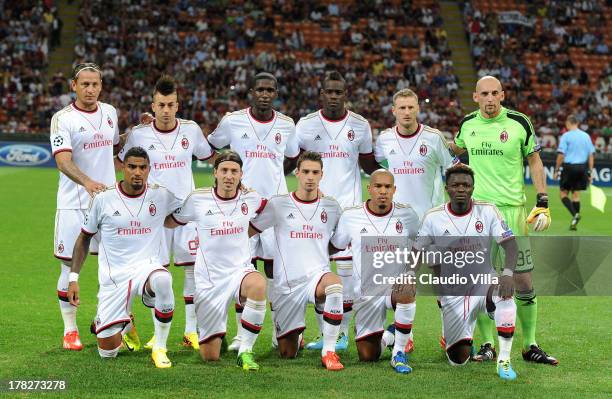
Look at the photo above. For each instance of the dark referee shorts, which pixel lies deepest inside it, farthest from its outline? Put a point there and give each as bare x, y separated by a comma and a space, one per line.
574, 177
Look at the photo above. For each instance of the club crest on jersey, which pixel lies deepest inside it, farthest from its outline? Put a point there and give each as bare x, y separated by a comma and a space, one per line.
350, 135
423, 150
278, 138
110, 122
399, 227
152, 209
503, 136
60, 248
185, 142
244, 208
479, 226
323, 216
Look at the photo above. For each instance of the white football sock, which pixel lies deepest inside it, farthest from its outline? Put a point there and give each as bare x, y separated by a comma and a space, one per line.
253, 317
332, 316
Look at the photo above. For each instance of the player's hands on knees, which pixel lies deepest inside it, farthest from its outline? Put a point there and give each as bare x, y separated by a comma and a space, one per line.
506, 287
146, 118
93, 187
73, 293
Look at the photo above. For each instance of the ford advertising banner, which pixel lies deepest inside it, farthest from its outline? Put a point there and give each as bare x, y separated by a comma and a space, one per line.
25, 154
13, 153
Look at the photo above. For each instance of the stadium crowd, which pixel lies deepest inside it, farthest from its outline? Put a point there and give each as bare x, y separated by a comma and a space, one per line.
541, 61
213, 48
28, 31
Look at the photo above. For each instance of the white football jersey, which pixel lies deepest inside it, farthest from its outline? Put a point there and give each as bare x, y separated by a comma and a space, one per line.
223, 232
340, 144
262, 145
170, 153
442, 227
90, 136
130, 227
359, 221
416, 162
302, 231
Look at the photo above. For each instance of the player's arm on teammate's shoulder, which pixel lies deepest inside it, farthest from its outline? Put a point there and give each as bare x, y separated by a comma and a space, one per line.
79, 254
67, 166
506, 281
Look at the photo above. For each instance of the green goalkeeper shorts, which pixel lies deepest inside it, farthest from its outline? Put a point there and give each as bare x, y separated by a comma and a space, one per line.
516, 218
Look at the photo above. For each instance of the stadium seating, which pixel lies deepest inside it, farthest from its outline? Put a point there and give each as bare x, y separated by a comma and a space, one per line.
213, 50
556, 61
27, 103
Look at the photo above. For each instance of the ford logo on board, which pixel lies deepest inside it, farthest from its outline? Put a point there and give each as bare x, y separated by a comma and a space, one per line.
24, 155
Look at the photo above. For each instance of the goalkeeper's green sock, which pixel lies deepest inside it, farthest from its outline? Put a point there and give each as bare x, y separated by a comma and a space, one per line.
527, 312
486, 327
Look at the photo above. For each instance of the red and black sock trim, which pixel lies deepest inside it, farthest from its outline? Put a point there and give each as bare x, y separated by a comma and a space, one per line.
332, 318
347, 306
239, 308
505, 332
164, 317
252, 328
188, 300
62, 296
403, 328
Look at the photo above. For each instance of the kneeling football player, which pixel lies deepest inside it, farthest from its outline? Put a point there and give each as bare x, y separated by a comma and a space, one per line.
303, 223
223, 269
379, 217
129, 217
463, 224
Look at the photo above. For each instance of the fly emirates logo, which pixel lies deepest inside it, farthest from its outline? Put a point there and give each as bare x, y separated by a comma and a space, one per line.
261, 151
135, 229
169, 162
486, 149
98, 141
227, 228
408, 168
308, 232
334, 152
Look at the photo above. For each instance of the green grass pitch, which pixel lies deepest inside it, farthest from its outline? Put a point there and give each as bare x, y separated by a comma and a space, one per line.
574, 329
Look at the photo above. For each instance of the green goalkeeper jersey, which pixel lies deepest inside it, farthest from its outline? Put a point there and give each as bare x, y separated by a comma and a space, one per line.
496, 148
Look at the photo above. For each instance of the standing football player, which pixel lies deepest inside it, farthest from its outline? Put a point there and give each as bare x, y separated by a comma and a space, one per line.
303, 223
83, 135
266, 142
415, 154
344, 140
497, 141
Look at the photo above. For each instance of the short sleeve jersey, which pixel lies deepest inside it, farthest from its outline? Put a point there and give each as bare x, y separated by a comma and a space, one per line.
262, 145
130, 227
340, 143
90, 136
417, 163
223, 232
302, 231
358, 222
496, 148
171, 153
